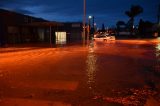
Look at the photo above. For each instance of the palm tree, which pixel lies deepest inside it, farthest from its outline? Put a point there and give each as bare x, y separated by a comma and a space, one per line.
134, 11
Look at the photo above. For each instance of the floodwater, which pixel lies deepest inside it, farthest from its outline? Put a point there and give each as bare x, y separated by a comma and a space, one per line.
109, 73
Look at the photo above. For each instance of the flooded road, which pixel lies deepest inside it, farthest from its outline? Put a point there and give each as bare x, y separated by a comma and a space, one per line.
114, 73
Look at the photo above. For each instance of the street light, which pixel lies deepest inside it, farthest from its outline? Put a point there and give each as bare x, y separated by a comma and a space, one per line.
95, 28
93, 25
158, 15
84, 20
89, 27
90, 17
89, 22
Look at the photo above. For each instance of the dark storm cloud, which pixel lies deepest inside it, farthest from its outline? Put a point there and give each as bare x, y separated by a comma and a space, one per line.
16, 5
105, 11
69, 7
23, 11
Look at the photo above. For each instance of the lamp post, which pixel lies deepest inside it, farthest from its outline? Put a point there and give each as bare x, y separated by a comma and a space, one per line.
84, 21
158, 15
50, 34
93, 26
89, 27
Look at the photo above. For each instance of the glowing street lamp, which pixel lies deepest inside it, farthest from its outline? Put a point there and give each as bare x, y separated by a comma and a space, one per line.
90, 17
89, 27
89, 22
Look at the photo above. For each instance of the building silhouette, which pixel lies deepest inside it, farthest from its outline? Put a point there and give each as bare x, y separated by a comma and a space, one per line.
16, 28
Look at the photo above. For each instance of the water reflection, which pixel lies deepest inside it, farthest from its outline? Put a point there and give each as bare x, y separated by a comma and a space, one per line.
158, 50
91, 66
157, 65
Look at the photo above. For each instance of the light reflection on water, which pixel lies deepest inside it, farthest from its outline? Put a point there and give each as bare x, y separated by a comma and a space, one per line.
91, 66
157, 66
158, 50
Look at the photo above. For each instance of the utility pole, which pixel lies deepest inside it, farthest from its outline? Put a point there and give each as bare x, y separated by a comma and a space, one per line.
84, 21
50, 34
89, 28
158, 15
93, 26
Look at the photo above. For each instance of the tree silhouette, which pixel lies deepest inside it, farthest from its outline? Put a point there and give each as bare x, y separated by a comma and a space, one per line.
141, 27
134, 11
103, 28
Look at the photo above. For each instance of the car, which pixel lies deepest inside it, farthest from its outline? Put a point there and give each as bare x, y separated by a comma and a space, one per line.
103, 37
100, 37
112, 38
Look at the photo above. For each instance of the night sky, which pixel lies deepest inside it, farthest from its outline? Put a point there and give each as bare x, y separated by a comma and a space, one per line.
105, 11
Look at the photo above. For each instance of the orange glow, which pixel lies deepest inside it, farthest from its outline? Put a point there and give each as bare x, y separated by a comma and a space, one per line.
56, 84
31, 102
91, 67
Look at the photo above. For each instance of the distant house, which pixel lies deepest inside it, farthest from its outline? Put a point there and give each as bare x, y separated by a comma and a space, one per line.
74, 31
18, 28
13, 29
123, 29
